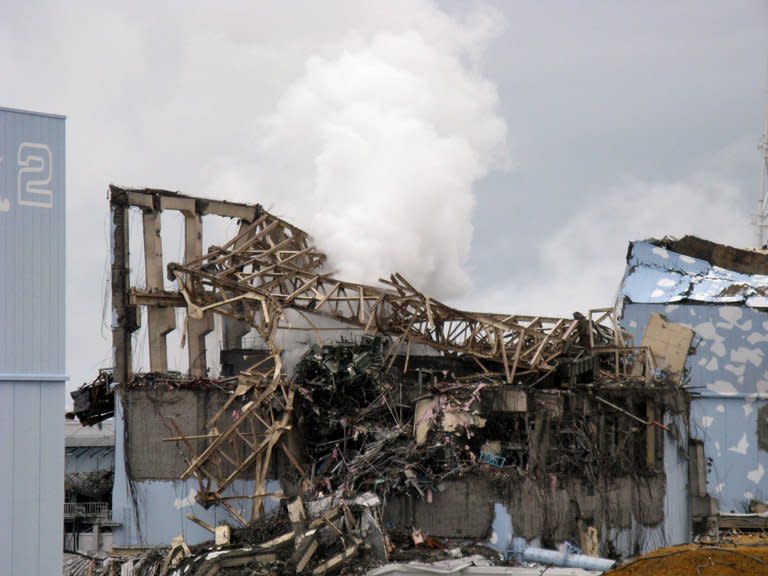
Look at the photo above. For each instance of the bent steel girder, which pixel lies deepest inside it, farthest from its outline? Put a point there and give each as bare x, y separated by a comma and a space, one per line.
271, 266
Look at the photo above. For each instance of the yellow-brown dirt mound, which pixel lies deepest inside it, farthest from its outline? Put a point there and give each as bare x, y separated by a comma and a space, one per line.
699, 560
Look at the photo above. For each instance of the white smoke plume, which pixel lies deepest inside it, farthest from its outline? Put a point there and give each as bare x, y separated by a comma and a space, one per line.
376, 148
195, 95
581, 265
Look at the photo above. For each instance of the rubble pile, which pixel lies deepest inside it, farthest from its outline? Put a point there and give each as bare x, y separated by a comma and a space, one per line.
369, 427
79, 565
93, 401
326, 535
361, 419
563, 413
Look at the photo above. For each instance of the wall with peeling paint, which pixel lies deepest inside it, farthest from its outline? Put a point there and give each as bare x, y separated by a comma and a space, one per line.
727, 371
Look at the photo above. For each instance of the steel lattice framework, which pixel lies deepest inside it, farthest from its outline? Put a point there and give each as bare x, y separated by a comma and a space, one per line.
271, 266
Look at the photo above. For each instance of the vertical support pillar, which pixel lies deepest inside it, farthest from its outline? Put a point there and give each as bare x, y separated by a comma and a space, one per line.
234, 330
196, 329
697, 470
650, 434
124, 315
161, 319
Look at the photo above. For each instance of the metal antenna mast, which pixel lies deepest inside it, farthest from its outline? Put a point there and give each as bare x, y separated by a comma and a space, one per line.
761, 216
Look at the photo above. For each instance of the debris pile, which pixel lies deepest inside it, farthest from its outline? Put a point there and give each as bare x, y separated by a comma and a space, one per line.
327, 535
80, 565
361, 415
94, 402
372, 428
425, 395
296, 543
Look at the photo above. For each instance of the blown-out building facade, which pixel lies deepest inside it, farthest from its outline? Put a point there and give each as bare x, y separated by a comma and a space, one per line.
721, 293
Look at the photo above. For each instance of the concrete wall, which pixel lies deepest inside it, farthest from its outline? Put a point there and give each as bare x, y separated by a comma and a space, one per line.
94, 542
463, 509
628, 513
32, 343
152, 512
147, 415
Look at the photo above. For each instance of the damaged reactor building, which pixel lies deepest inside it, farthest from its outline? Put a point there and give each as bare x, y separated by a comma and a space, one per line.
348, 423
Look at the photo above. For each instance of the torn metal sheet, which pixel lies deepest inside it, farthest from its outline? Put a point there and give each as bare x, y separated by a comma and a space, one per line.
722, 298
649, 253
669, 343
648, 284
658, 275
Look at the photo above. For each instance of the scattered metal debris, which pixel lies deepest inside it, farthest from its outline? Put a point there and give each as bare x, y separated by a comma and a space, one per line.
94, 402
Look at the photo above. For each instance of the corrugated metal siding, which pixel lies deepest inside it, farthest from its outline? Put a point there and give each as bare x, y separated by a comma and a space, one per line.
32, 343
32, 245
77, 435
31, 478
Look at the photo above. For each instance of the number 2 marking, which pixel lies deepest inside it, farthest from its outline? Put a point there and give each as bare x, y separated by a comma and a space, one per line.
35, 175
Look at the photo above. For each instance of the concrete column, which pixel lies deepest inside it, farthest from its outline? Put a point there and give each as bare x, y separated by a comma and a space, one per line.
234, 330
196, 329
161, 319
125, 316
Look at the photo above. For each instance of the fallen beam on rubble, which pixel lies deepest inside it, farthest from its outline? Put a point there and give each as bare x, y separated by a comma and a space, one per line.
336, 561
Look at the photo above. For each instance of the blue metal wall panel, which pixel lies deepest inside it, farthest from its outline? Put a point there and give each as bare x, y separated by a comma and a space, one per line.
31, 478
32, 343
6, 474
32, 245
26, 505
51, 485
677, 516
728, 372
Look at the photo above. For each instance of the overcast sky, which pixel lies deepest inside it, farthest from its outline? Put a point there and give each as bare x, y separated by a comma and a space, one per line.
502, 155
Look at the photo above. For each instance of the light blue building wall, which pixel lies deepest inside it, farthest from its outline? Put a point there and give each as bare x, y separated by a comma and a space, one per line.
727, 371
32, 342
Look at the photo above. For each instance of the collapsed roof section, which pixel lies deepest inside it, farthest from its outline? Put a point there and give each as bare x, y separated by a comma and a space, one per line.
695, 270
271, 267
